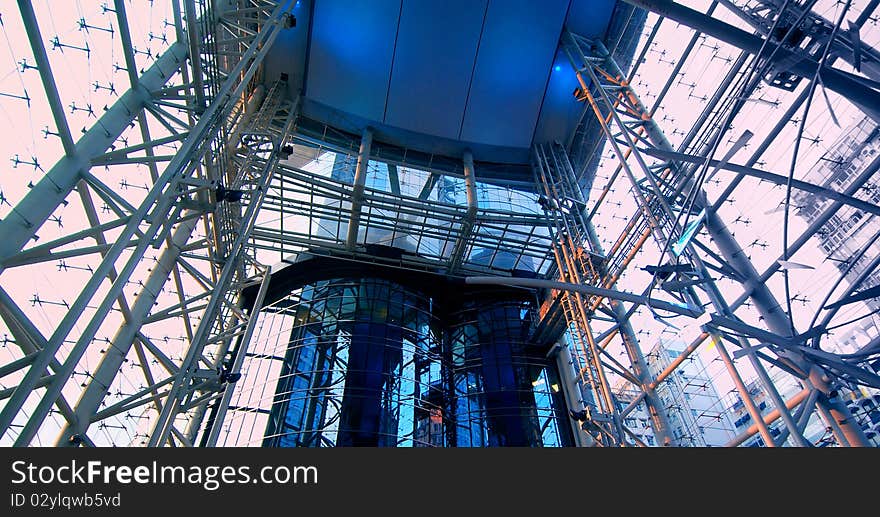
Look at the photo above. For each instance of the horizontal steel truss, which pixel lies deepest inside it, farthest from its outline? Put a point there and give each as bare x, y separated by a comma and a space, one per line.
202, 239
632, 134
311, 213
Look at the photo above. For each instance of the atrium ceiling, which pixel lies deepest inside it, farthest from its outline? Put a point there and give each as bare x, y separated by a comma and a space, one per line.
441, 76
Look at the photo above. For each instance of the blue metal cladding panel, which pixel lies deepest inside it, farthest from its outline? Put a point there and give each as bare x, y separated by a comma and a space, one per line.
561, 110
513, 63
433, 63
352, 44
589, 18
288, 53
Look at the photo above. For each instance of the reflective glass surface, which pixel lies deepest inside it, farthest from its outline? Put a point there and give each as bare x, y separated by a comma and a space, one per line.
503, 389
372, 363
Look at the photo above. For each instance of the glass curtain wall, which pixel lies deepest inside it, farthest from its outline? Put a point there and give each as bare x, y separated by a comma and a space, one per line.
373, 363
359, 367
505, 391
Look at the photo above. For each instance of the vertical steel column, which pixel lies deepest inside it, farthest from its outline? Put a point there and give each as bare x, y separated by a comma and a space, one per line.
658, 139
470, 218
357, 193
656, 410
568, 242
572, 389
775, 317
216, 419
192, 37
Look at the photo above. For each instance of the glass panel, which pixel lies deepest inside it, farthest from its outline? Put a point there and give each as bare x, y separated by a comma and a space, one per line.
372, 363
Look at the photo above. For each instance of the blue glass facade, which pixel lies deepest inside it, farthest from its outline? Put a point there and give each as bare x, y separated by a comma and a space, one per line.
503, 389
373, 363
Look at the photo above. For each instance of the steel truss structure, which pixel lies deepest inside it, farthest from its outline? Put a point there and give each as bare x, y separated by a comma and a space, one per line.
232, 188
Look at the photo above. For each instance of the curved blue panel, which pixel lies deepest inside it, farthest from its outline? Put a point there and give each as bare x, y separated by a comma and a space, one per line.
441, 76
561, 110
589, 18
513, 62
289, 51
433, 63
352, 43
